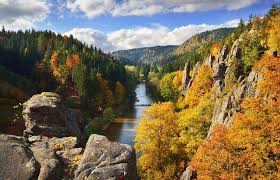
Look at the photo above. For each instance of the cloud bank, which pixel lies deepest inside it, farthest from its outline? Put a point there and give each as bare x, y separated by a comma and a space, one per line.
94, 8
142, 36
22, 14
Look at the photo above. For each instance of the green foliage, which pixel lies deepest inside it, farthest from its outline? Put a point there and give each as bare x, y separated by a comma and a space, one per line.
108, 114
252, 50
62, 64
194, 124
167, 91
143, 55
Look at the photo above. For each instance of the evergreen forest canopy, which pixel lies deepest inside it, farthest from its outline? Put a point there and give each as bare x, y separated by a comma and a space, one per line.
55, 62
37, 61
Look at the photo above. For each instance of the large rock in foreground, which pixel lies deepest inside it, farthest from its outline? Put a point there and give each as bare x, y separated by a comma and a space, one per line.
104, 159
44, 114
16, 159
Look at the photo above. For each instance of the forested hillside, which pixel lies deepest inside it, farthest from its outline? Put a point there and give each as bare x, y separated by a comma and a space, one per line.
219, 118
195, 48
174, 57
144, 55
36, 61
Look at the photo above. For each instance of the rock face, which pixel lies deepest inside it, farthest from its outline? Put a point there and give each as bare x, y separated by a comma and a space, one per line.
226, 66
16, 159
189, 174
44, 153
104, 159
44, 114
186, 77
226, 71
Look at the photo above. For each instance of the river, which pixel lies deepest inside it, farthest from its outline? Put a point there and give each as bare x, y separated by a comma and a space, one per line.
123, 129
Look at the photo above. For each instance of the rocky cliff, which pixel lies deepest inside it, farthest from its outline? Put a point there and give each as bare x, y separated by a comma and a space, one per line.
231, 87
51, 147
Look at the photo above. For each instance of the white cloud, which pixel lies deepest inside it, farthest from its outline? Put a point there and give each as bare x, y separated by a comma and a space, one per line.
93, 8
143, 36
20, 14
91, 37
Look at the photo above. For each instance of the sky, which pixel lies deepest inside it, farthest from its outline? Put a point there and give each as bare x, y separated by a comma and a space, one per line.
124, 24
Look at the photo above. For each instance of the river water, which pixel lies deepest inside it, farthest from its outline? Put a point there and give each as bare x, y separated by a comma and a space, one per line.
123, 129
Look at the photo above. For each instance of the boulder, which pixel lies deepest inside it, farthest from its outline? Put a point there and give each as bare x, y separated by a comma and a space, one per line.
16, 159
103, 159
50, 166
45, 114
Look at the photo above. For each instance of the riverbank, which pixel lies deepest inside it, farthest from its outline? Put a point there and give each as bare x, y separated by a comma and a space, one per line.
123, 128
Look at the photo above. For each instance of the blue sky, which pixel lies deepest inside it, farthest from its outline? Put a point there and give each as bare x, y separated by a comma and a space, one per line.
124, 24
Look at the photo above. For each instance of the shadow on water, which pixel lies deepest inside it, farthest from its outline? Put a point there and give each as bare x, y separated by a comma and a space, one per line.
123, 129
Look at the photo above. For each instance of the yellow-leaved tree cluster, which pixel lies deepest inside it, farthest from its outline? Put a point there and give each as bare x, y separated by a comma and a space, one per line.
168, 139
172, 135
251, 147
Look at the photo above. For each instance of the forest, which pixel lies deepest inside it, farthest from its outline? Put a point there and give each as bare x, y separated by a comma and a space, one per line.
179, 131
87, 78
215, 111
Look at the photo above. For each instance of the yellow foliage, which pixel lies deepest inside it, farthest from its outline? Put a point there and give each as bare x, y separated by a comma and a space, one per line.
250, 149
154, 139
177, 80
194, 124
201, 85
273, 31
72, 165
215, 49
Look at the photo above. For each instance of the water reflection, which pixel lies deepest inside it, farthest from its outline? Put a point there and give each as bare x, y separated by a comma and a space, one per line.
122, 129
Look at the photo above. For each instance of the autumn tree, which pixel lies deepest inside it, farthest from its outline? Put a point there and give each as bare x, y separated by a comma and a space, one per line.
193, 125
119, 92
201, 85
167, 90
154, 140
104, 96
177, 81
215, 49
273, 30
250, 148
72, 61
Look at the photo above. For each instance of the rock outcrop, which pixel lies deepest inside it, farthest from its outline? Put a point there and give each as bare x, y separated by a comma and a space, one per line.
44, 153
189, 174
225, 67
104, 159
186, 78
16, 159
44, 114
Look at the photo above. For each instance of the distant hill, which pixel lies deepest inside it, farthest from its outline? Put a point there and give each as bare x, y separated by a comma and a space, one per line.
165, 54
195, 48
147, 54
202, 39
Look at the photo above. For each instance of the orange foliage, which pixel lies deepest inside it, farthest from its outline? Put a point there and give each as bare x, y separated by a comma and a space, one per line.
54, 60
54, 64
215, 49
250, 149
269, 67
200, 86
72, 61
